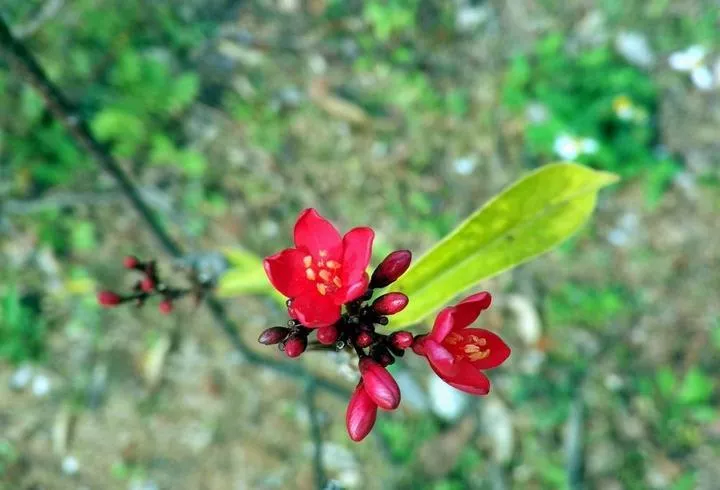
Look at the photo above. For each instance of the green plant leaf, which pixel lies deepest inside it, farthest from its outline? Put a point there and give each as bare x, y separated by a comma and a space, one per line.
528, 218
247, 276
696, 388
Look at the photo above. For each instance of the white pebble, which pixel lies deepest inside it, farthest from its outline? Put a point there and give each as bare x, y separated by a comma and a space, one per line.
446, 402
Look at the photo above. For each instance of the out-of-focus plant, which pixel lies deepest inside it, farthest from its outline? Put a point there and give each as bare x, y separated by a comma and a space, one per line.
22, 330
591, 107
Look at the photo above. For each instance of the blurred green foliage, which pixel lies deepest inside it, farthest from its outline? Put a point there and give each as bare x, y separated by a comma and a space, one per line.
590, 94
22, 329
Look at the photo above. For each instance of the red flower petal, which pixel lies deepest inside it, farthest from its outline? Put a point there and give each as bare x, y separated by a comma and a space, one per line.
441, 360
468, 379
499, 350
468, 309
379, 384
444, 324
357, 249
361, 414
286, 272
315, 234
352, 291
314, 310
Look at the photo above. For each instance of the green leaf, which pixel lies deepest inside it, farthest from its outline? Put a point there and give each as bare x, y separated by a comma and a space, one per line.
246, 277
697, 388
527, 219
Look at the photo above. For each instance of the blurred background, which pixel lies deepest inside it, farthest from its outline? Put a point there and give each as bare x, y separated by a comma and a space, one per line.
405, 115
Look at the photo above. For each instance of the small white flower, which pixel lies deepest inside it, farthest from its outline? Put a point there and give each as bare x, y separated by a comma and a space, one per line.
21, 377
693, 61
569, 147
702, 77
70, 465
465, 165
687, 60
589, 146
566, 147
634, 47
41, 385
537, 113
623, 108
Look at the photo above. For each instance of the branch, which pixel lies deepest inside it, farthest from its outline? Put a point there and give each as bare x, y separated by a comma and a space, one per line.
25, 64
315, 436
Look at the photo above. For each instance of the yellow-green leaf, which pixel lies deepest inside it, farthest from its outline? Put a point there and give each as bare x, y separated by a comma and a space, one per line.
527, 219
246, 277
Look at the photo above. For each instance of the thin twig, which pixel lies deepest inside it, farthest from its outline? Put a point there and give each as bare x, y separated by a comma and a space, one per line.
315, 435
47, 12
25, 64
59, 200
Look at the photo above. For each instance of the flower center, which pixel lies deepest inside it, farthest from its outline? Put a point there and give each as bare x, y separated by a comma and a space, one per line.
324, 273
466, 346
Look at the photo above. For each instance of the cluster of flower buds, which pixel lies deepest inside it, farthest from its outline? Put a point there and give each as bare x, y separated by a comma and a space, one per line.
147, 286
330, 294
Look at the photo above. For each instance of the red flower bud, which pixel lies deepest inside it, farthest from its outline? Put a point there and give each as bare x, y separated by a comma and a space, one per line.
390, 303
273, 335
165, 307
109, 299
361, 414
364, 339
391, 268
379, 384
147, 284
401, 340
327, 335
131, 262
295, 345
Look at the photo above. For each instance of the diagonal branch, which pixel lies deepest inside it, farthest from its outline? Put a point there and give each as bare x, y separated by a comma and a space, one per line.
25, 64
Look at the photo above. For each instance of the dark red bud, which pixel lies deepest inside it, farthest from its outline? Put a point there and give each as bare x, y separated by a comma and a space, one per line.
401, 340
364, 339
273, 335
361, 414
147, 284
383, 357
295, 345
109, 299
165, 307
379, 384
391, 268
328, 335
390, 303
131, 262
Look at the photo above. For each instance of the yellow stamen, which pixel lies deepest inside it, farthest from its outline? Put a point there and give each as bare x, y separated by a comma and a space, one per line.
307, 261
477, 356
337, 281
333, 264
324, 275
310, 274
477, 340
321, 289
470, 349
453, 338
323, 253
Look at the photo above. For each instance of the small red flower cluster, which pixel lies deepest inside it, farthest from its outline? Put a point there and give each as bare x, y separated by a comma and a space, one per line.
329, 293
145, 287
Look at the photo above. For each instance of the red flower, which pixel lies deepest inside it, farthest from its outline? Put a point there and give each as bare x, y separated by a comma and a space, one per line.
323, 271
361, 414
458, 354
